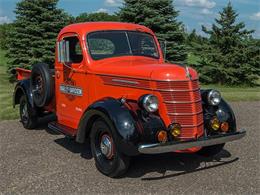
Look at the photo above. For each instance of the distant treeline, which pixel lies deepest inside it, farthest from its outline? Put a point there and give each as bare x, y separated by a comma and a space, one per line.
227, 55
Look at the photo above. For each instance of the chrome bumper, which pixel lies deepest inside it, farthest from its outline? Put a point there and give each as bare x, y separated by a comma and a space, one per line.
182, 145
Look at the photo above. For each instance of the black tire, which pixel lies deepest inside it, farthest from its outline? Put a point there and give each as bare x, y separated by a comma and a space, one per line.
28, 115
210, 151
116, 164
42, 85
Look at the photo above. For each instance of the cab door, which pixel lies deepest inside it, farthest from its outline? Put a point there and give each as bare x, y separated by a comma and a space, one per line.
71, 74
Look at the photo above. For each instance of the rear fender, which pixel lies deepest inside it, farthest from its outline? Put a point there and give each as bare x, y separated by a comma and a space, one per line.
22, 88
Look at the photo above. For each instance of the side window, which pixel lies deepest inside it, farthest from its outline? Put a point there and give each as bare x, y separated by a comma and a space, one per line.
75, 52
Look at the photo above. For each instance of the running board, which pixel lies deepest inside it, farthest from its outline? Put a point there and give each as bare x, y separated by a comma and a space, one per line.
62, 129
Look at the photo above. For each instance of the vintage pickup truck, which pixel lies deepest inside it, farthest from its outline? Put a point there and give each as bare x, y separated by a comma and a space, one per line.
111, 85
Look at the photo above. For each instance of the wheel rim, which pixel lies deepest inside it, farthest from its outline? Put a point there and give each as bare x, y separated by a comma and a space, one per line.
38, 86
106, 146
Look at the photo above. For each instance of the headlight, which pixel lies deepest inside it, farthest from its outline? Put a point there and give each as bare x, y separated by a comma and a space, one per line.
214, 97
150, 103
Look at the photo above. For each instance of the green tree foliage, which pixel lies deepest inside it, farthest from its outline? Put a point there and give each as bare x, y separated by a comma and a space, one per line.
232, 56
195, 43
96, 17
34, 34
4, 31
161, 17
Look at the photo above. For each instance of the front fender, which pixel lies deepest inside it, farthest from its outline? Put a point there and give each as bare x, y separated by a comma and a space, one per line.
129, 129
22, 88
125, 129
223, 111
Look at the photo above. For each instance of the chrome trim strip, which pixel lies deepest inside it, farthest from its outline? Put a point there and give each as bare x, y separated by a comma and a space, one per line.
180, 102
130, 86
184, 114
125, 81
182, 145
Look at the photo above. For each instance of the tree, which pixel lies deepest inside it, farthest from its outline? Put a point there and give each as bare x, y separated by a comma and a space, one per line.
34, 34
161, 17
4, 31
96, 17
230, 57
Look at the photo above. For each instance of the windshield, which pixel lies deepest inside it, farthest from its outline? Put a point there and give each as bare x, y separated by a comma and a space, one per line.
107, 44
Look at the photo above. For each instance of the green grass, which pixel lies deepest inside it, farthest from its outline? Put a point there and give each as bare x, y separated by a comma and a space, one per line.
7, 112
237, 93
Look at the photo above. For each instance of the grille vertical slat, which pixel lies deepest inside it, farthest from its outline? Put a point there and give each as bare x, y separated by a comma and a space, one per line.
183, 102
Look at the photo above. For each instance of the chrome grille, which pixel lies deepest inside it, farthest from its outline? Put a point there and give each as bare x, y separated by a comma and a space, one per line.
183, 102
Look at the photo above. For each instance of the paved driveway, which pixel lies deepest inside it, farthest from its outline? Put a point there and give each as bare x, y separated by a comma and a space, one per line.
40, 161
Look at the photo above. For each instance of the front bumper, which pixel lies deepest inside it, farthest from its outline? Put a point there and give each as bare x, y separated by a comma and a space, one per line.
182, 145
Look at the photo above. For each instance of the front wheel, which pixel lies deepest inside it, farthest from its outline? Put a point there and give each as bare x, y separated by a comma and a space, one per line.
27, 114
108, 159
209, 151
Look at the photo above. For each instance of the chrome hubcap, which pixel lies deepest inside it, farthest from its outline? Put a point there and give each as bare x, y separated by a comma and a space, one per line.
106, 146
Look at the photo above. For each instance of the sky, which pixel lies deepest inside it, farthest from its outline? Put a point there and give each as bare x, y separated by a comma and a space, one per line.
193, 13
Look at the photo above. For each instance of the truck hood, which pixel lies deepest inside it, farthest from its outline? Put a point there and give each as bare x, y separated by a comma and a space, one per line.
145, 69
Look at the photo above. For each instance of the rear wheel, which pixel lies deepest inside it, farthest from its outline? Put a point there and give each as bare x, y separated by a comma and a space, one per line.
27, 115
209, 151
108, 159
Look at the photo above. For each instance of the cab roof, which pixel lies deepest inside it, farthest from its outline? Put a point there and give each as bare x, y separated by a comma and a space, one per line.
84, 28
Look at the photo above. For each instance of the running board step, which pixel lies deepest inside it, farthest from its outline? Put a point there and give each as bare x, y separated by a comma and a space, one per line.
67, 131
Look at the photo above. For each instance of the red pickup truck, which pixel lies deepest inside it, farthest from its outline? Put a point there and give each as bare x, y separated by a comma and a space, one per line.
110, 84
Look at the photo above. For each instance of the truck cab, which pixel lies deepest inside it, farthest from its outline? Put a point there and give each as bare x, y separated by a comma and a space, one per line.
111, 84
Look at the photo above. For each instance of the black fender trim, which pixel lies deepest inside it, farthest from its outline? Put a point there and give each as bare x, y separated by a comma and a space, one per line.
126, 133
22, 88
130, 127
229, 115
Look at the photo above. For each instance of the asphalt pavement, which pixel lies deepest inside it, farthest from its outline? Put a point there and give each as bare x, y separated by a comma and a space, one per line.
43, 162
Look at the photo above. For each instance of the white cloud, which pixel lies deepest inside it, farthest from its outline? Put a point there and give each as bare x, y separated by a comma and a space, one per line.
206, 11
4, 19
255, 16
102, 10
208, 4
113, 3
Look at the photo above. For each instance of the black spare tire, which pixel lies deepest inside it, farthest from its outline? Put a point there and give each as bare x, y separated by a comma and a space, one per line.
42, 85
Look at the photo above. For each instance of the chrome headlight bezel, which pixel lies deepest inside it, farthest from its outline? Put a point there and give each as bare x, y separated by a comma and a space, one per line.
214, 97
150, 103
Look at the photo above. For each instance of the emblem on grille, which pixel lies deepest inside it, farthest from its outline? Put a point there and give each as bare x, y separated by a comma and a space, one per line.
188, 75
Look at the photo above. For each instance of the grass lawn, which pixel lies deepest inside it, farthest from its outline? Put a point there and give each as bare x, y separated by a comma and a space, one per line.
6, 93
236, 93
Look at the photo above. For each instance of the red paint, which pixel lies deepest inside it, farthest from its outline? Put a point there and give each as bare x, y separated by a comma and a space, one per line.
153, 76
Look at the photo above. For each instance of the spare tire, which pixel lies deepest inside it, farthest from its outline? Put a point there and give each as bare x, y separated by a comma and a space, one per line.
42, 85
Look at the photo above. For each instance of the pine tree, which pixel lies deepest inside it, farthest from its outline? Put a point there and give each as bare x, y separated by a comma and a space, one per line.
229, 58
161, 17
34, 34
4, 30
96, 17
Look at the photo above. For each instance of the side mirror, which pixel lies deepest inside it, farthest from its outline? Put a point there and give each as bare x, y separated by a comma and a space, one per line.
163, 45
63, 52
